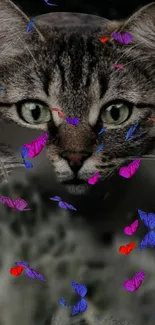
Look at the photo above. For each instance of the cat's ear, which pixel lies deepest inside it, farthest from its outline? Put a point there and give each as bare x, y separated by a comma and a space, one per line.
13, 35
141, 25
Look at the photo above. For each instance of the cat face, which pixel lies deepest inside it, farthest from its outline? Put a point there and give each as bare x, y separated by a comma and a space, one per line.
61, 63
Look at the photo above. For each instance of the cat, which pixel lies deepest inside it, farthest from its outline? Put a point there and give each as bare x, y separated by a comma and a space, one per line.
61, 63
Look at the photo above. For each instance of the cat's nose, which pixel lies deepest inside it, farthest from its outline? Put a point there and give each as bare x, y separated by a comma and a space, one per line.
75, 160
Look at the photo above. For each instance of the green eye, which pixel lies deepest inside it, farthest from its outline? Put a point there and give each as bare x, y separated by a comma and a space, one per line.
34, 113
115, 114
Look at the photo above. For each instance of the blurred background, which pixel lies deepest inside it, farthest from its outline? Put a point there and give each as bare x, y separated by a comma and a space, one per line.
80, 246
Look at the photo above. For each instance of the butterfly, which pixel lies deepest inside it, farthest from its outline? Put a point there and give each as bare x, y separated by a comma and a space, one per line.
148, 240
73, 121
148, 219
62, 204
36, 146
104, 39
81, 306
93, 180
62, 302
124, 250
130, 170
31, 273
1, 89
102, 130
123, 38
24, 153
50, 4
118, 66
130, 230
135, 282
129, 135
80, 289
100, 147
17, 204
60, 114
16, 271
30, 25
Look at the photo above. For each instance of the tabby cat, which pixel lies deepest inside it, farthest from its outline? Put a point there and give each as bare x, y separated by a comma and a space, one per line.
61, 63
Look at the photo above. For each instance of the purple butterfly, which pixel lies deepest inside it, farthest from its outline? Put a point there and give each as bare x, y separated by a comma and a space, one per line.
73, 121
24, 264
123, 38
81, 306
62, 204
32, 274
17, 204
80, 289
50, 4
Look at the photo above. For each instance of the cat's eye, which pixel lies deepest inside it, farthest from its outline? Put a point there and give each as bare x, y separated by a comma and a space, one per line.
34, 113
115, 113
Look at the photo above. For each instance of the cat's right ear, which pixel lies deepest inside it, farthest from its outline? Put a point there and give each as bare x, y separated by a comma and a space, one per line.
13, 35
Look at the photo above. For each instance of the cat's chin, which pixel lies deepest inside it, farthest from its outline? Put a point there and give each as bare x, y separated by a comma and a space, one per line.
77, 189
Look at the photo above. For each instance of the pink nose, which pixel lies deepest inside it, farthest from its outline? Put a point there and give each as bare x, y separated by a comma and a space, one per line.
75, 160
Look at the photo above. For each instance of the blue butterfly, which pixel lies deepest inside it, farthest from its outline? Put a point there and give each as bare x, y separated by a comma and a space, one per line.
81, 306
80, 289
63, 204
24, 152
100, 147
30, 24
148, 219
148, 240
129, 135
102, 130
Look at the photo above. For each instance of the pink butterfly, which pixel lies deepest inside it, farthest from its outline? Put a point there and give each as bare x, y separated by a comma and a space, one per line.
36, 146
93, 180
118, 66
135, 282
60, 114
17, 204
130, 230
130, 170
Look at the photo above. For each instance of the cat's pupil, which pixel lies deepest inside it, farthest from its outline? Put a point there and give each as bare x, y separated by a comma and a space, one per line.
36, 113
115, 113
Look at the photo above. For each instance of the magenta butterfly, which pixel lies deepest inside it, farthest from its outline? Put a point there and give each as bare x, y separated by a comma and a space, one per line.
17, 204
36, 146
130, 170
118, 66
135, 282
93, 180
62, 204
130, 230
31, 273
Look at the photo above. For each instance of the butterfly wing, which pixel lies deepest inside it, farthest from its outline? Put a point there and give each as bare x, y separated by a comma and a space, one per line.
7, 201
148, 240
82, 305
36, 146
80, 289
76, 309
25, 264
131, 130
20, 204
24, 152
129, 285
144, 217
69, 206
27, 164
151, 220
33, 274
140, 275
55, 198
102, 130
134, 166
62, 205
127, 38
62, 302
128, 231
134, 226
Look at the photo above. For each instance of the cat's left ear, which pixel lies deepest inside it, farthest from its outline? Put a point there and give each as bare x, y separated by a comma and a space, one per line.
141, 25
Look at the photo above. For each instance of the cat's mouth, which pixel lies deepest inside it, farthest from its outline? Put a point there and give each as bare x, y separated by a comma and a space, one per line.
74, 181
